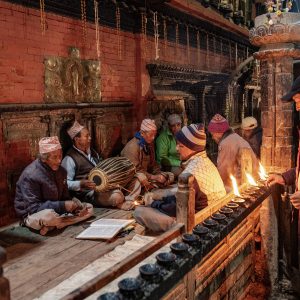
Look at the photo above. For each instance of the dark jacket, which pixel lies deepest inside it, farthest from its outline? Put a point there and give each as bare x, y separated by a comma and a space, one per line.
168, 204
83, 165
39, 187
255, 140
289, 176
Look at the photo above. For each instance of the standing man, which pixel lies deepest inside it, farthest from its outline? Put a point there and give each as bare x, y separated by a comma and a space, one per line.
208, 185
78, 162
166, 153
252, 134
291, 176
229, 149
42, 193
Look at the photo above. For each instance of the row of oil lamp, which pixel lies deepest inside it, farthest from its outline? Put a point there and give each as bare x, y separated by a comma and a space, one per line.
153, 278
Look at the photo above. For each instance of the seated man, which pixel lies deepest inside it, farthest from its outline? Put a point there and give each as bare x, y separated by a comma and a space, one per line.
208, 185
78, 162
42, 193
140, 151
252, 134
166, 153
229, 149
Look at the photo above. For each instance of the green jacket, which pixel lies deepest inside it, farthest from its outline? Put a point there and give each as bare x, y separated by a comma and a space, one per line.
166, 154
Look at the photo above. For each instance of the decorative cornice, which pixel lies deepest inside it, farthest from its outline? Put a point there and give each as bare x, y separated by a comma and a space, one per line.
177, 72
277, 53
277, 33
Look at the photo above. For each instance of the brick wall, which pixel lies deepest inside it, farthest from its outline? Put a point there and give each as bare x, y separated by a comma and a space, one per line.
23, 48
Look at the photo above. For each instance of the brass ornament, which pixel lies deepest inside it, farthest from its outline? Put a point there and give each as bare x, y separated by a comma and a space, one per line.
72, 79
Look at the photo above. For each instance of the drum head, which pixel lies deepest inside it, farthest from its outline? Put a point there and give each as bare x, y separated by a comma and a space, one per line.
100, 179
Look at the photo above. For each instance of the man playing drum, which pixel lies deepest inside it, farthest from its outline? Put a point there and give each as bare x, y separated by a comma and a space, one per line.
78, 162
42, 194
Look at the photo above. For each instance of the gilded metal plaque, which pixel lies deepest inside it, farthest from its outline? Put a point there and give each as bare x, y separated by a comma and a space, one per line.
72, 79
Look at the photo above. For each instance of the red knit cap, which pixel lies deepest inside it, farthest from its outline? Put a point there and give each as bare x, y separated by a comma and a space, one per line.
218, 124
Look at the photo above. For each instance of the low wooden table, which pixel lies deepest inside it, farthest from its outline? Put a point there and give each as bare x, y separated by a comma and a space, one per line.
36, 263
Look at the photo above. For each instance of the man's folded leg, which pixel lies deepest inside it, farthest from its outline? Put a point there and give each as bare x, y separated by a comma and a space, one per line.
153, 219
47, 219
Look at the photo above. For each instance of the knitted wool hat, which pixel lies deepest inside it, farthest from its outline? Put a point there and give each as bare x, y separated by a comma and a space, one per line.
49, 144
174, 119
192, 136
148, 125
218, 124
249, 123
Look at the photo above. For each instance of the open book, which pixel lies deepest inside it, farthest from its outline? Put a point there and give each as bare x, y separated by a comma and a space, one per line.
104, 229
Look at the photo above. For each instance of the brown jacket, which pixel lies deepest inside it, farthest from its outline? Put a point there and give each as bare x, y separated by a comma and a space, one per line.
145, 163
229, 161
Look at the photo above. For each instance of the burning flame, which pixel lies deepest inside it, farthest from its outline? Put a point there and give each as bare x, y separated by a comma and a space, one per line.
251, 180
136, 203
235, 186
262, 173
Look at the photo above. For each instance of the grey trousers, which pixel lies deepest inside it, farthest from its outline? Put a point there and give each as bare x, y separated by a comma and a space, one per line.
153, 219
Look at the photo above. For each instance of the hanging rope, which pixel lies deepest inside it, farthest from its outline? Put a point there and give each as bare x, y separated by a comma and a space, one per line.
176, 37
43, 17
198, 47
188, 42
165, 35
118, 24
207, 51
83, 19
144, 34
97, 29
156, 35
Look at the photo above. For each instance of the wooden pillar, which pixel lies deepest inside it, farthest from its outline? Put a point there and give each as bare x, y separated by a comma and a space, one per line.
185, 198
4, 284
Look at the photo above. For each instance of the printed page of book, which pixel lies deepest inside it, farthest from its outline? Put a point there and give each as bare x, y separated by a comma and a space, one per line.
104, 228
121, 223
99, 232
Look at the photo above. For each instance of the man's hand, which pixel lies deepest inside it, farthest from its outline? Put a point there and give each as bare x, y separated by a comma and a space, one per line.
70, 206
295, 199
148, 185
159, 178
127, 205
275, 178
87, 184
